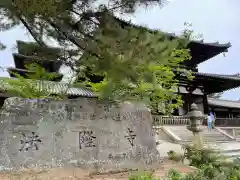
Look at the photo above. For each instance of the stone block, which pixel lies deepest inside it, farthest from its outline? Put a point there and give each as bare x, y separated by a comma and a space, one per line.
103, 137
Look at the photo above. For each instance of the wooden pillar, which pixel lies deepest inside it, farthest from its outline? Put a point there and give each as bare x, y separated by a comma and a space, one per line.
190, 90
205, 100
233, 133
230, 113
205, 104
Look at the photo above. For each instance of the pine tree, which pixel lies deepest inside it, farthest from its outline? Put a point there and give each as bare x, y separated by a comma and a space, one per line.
129, 63
134, 64
61, 18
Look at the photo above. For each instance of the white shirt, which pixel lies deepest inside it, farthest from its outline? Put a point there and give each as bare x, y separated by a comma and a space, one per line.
210, 119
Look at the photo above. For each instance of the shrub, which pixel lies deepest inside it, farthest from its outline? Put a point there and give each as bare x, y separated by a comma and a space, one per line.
212, 165
172, 155
142, 176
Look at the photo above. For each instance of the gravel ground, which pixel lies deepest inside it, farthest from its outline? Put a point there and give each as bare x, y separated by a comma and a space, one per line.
73, 173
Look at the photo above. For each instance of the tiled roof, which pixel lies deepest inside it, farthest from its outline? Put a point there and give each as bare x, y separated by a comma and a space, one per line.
56, 88
215, 83
173, 35
31, 57
59, 88
19, 57
216, 44
58, 76
230, 77
18, 69
223, 103
213, 75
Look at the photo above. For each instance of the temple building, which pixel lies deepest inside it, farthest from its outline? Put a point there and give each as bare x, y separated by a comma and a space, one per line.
29, 53
192, 91
203, 84
47, 58
224, 108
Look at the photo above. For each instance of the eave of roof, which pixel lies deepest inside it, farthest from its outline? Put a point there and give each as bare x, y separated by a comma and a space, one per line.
32, 57
19, 70
221, 76
212, 83
211, 75
20, 42
58, 76
18, 61
223, 103
54, 88
216, 47
59, 88
173, 35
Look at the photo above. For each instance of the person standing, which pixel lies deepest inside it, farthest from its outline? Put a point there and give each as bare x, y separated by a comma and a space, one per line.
210, 120
213, 118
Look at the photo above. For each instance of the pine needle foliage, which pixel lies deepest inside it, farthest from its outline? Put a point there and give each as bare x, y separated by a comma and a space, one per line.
136, 65
131, 63
32, 86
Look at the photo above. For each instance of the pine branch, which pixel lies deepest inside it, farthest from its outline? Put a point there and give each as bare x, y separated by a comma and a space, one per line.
79, 44
41, 43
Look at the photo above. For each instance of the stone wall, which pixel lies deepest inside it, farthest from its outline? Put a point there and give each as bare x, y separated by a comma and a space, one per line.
86, 132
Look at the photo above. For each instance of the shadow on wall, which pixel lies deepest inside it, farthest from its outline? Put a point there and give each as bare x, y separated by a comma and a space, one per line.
2, 99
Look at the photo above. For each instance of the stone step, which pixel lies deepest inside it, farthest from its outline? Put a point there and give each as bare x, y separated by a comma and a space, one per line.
213, 137
206, 142
185, 135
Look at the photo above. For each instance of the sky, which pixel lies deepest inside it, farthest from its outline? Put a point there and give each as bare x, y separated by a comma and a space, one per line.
215, 20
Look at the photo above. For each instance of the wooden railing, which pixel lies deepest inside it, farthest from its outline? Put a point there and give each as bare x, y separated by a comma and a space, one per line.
170, 120
224, 122
184, 120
